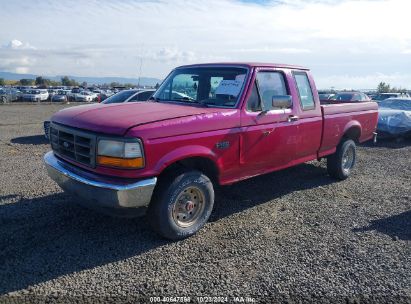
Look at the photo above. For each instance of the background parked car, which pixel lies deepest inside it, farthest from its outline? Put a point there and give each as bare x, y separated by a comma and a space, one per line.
52, 92
349, 97
36, 95
104, 94
325, 96
9, 95
382, 96
86, 96
61, 96
73, 93
130, 96
394, 117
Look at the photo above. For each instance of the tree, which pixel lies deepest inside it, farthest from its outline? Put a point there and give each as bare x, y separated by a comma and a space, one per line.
26, 82
54, 83
2, 82
40, 80
65, 81
43, 82
157, 86
115, 84
383, 87
398, 90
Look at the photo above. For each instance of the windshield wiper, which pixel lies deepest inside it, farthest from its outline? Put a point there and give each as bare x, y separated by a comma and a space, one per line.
154, 98
184, 99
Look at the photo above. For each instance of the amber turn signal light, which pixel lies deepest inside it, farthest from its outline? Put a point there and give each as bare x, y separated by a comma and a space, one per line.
133, 163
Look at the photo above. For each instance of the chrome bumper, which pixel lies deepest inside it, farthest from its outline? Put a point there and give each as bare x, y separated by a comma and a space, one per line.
99, 192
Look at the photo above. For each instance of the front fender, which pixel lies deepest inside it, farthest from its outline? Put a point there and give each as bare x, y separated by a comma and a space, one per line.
184, 153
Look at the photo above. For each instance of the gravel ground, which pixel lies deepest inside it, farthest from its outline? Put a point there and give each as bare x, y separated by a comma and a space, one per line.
290, 236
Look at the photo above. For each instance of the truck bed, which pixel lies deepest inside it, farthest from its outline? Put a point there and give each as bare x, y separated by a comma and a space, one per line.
359, 118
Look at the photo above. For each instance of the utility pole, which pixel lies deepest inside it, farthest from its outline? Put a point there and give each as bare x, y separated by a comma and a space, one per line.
139, 73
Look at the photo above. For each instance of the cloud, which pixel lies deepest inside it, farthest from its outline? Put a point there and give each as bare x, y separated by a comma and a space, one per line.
14, 56
22, 57
274, 50
18, 45
173, 54
370, 81
21, 70
337, 37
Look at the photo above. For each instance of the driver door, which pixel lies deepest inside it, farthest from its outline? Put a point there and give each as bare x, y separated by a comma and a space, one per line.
268, 137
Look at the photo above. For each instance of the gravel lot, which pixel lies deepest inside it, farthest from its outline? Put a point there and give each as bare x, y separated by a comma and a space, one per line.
295, 235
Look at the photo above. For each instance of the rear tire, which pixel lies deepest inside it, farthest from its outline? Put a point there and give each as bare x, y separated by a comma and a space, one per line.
181, 204
341, 163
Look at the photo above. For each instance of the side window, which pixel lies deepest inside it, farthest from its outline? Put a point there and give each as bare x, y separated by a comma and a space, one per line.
304, 90
253, 102
269, 85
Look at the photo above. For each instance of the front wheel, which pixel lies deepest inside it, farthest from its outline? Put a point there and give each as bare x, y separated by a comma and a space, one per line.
341, 163
181, 205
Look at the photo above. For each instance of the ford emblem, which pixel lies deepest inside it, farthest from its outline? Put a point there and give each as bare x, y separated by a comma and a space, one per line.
66, 144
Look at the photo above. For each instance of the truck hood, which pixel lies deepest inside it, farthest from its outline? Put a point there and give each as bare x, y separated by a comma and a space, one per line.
118, 118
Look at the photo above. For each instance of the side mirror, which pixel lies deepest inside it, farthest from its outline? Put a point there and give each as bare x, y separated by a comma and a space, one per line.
282, 101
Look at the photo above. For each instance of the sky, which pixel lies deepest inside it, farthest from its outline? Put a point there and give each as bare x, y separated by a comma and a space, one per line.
346, 43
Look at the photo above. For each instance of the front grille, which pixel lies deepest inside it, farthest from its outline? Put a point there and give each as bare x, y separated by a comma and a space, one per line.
73, 144
46, 125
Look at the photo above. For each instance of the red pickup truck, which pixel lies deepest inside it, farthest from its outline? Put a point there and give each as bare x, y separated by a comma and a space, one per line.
207, 125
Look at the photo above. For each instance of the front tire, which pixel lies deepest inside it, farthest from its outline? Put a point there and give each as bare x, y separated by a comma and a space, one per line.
341, 163
181, 204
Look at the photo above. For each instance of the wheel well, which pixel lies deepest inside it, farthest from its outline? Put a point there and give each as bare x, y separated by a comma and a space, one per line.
203, 164
353, 133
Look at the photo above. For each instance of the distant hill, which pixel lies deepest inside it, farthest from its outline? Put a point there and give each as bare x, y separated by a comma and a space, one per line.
144, 81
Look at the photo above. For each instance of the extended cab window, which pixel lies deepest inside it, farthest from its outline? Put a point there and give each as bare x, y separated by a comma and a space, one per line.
269, 85
304, 90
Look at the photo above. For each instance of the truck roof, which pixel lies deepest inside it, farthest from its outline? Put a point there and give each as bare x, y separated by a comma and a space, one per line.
248, 65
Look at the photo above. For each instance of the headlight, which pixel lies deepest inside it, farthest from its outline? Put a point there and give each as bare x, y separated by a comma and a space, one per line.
115, 153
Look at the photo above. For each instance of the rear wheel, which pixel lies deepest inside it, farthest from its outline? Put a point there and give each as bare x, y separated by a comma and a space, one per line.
181, 204
341, 163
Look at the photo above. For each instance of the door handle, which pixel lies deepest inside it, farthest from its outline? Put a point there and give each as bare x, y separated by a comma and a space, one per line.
292, 118
267, 132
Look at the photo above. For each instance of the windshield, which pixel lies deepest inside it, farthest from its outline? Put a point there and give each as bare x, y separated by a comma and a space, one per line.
397, 104
215, 86
120, 97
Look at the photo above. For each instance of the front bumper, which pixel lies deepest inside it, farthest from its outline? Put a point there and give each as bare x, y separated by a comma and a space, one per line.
115, 195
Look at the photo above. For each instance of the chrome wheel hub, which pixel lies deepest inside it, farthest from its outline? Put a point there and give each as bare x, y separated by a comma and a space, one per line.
348, 159
188, 206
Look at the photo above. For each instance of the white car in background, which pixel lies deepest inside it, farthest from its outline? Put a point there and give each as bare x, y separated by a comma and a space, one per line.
36, 95
86, 96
